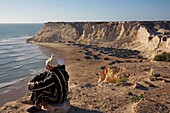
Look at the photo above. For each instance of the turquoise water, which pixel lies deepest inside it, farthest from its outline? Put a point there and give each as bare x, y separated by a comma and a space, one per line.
18, 59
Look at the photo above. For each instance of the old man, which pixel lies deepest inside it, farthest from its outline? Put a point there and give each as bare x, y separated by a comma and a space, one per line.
50, 86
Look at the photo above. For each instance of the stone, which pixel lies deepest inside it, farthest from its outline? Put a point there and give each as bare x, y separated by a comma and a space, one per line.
87, 57
151, 85
96, 57
118, 61
58, 108
140, 60
120, 54
167, 80
80, 51
159, 78
127, 84
140, 86
111, 54
102, 67
86, 85
152, 78
156, 75
128, 61
130, 94
113, 62
78, 59
89, 53
106, 58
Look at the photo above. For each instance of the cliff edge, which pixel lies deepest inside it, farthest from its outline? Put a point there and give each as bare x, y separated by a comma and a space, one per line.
149, 37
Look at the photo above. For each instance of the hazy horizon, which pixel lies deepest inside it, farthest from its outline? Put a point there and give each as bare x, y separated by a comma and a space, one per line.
86, 21
42, 11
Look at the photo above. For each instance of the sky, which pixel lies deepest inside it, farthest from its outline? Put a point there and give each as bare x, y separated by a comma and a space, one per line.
40, 11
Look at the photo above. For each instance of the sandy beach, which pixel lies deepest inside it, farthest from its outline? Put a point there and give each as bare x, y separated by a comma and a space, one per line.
87, 96
13, 95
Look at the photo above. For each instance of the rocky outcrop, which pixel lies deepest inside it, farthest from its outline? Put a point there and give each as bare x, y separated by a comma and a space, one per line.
143, 36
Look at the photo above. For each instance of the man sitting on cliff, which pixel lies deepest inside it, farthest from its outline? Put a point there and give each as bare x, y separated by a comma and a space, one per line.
50, 86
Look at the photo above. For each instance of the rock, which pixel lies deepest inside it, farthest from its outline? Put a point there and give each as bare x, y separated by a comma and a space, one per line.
159, 78
99, 54
120, 54
105, 52
151, 85
166, 80
75, 83
58, 108
156, 75
89, 53
140, 60
127, 84
96, 57
118, 61
87, 57
128, 61
78, 59
101, 51
146, 69
106, 58
140, 86
111, 54
130, 94
86, 85
68, 44
134, 56
86, 49
80, 51
102, 67
152, 78
115, 61
86, 46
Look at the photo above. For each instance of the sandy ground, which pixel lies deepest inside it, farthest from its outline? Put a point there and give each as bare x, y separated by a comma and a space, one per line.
13, 95
145, 91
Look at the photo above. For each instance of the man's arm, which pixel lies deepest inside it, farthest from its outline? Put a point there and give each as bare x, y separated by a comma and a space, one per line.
39, 77
40, 85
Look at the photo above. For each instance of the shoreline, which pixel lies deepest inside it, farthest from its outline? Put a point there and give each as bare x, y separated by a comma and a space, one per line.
13, 95
17, 93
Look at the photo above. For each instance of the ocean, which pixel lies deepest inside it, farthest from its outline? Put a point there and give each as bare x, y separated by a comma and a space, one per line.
18, 60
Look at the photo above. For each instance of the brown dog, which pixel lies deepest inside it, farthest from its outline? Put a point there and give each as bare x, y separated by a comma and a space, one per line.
109, 74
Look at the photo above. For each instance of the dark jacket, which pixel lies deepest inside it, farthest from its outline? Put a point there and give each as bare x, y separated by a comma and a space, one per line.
53, 84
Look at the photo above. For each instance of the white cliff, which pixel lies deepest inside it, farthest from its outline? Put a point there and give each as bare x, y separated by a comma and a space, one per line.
143, 36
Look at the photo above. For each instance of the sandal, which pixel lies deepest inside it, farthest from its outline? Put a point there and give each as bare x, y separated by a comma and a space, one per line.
33, 109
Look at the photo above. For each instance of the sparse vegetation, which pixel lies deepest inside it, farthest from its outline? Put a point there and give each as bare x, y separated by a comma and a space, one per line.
136, 98
122, 80
163, 57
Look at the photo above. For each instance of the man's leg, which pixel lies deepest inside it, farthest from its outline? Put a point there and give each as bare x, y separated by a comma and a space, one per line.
36, 98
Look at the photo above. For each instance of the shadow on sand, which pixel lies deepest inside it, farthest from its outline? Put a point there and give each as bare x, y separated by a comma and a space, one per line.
75, 109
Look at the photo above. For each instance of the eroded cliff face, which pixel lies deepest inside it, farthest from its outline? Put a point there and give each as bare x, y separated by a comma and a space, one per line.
142, 36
